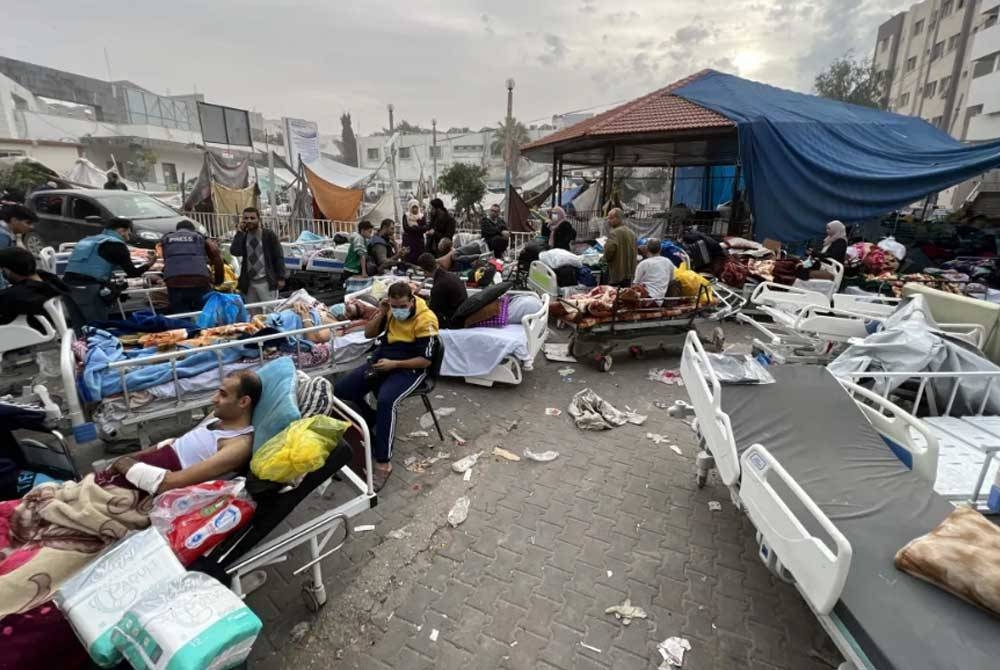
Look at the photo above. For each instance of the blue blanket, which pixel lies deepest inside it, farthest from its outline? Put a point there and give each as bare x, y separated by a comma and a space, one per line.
145, 321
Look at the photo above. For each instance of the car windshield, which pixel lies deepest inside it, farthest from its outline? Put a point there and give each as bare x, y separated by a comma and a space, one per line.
134, 206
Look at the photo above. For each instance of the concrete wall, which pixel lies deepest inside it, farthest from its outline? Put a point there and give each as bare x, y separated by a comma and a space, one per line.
58, 158
51, 83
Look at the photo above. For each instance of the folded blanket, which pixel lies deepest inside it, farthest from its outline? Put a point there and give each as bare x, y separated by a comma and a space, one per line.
961, 555
54, 531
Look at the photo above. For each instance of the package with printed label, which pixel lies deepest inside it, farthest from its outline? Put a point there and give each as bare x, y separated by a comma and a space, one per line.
97, 597
191, 622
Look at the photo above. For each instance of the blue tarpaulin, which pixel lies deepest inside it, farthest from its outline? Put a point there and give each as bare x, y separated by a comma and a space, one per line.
808, 160
704, 187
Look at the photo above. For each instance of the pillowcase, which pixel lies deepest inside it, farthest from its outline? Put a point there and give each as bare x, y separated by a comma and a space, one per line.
482, 314
278, 404
500, 319
315, 394
477, 301
961, 555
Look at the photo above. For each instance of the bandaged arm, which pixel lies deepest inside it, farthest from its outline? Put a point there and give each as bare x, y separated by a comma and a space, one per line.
146, 477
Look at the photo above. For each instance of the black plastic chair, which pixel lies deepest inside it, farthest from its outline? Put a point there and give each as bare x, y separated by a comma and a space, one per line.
427, 385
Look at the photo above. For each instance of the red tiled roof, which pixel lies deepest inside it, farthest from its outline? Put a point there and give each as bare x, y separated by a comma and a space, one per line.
659, 111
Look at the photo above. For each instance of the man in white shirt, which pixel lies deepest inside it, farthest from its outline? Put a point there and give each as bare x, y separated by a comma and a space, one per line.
654, 271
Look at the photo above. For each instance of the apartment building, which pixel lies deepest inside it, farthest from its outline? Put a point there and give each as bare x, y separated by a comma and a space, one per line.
983, 110
926, 53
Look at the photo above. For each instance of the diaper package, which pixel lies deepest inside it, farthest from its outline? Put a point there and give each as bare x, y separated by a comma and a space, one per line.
97, 597
191, 622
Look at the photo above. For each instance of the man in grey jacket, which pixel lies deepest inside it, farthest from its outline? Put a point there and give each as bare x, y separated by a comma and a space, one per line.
262, 261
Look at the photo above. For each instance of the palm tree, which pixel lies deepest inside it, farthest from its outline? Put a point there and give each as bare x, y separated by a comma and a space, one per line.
518, 136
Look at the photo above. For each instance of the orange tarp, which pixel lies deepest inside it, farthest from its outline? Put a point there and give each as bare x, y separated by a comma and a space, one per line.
336, 203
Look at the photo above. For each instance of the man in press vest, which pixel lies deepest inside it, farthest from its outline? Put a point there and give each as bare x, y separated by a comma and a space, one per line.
186, 257
91, 264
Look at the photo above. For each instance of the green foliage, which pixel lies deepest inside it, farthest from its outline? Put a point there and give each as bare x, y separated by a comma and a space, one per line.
140, 165
23, 175
465, 182
854, 80
348, 142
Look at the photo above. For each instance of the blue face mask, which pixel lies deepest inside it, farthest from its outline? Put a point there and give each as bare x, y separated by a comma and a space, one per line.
401, 313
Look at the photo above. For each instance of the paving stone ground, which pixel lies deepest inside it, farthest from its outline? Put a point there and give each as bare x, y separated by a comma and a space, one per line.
524, 582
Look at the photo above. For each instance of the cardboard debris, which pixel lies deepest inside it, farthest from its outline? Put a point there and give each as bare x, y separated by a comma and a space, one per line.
672, 650
459, 512
542, 456
463, 464
503, 453
626, 612
552, 411
714, 506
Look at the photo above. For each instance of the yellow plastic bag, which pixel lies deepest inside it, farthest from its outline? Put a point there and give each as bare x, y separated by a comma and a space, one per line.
298, 450
691, 283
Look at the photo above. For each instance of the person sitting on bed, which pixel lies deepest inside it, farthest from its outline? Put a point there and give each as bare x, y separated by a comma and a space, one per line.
445, 254
204, 453
654, 271
447, 290
407, 330
28, 288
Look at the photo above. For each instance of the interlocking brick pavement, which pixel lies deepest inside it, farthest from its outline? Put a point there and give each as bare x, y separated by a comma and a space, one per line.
524, 582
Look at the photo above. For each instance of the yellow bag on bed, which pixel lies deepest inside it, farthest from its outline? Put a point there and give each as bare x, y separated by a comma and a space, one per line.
691, 283
299, 449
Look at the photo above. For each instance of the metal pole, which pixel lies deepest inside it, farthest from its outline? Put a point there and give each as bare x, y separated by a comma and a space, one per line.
434, 158
555, 175
392, 167
673, 178
508, 149
272, 197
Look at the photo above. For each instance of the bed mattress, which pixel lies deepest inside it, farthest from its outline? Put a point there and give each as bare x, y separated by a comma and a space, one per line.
810, 424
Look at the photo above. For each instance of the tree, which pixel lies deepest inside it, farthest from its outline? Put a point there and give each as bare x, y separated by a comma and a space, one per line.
465, 182
348, 142
854, 80
23, 175
407, 127
518, 135
456, 130
139, 165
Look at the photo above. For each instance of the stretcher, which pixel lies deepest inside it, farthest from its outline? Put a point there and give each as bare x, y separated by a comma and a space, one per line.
832, 504
953, 446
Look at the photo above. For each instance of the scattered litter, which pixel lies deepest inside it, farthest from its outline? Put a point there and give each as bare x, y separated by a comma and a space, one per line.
714, 627
398, 534
298, 631
610, 573
409, 460
672, 650
567, 380
420, 466
532, 541
558, 352
677, 450
680, 409
542, 456
467, 476
463, 464
434, 635
669, 377
552, 411
591, 412
634, 417
364, 527
459, 440
503, 453
459, 511
420, 433
389, 618
439, 397
512, 426
403, 438
426, 420
566, 372
657, 438
587, 646
714, 506
661, 404
626, 612
514, 643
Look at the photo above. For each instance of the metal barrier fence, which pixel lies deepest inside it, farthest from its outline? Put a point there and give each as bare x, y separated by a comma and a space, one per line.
223, 226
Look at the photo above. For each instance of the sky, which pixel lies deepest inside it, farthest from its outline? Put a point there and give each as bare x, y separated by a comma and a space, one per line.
443, 59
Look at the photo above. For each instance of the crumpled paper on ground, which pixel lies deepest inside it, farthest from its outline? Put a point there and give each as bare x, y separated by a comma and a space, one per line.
591, 412
626, 612
672, 650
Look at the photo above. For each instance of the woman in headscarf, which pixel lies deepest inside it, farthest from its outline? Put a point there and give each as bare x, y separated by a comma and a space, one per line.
835, 243
414, 227
558, 230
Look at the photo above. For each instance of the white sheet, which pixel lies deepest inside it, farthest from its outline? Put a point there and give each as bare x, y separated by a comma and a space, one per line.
472, 352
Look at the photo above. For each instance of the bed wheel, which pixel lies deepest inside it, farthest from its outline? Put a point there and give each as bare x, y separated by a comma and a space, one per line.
313, 596
701, 479
604, 363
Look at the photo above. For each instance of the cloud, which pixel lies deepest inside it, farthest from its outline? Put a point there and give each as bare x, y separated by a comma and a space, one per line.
691, 35
555, 49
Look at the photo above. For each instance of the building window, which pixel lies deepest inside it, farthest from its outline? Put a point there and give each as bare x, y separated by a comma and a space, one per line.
884, 44
918, 27
943, 86
404, 153
373, 154
930, 89
904, 100
953, 42
169, 174
406, 186
435, 152
468, 148
937, 50
911, 63
936, 121
946, 7
11, 153
983, 66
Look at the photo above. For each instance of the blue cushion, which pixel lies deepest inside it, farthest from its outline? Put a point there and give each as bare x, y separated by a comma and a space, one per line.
278, 406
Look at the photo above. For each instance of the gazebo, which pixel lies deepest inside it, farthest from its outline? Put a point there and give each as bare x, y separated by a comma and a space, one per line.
805, 160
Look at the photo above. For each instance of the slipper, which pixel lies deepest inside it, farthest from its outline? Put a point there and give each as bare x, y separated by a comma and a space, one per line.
379, 478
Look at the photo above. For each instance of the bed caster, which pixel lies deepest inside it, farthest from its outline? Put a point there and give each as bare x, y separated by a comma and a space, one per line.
636, 352
314, 596
604, 363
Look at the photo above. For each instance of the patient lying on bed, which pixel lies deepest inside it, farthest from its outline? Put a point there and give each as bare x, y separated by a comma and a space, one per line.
210, 451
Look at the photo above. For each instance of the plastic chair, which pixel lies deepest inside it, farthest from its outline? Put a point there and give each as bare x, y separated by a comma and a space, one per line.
427, 385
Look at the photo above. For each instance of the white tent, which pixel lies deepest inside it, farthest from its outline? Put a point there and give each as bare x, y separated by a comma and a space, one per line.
379, 210
339, 174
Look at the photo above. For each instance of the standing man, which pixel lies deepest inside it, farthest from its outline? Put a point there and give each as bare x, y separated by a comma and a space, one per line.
113, 183
90, 266
186, 257
15, 220
620, 250
262, 262
357, 261
493, 229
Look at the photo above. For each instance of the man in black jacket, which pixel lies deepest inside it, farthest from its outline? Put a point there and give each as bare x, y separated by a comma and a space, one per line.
448, 291
493, 230
442, 224
29, 289
262, 261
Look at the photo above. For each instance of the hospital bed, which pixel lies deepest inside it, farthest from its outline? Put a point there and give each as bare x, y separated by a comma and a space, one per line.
21, 342
179, 399
832, 504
